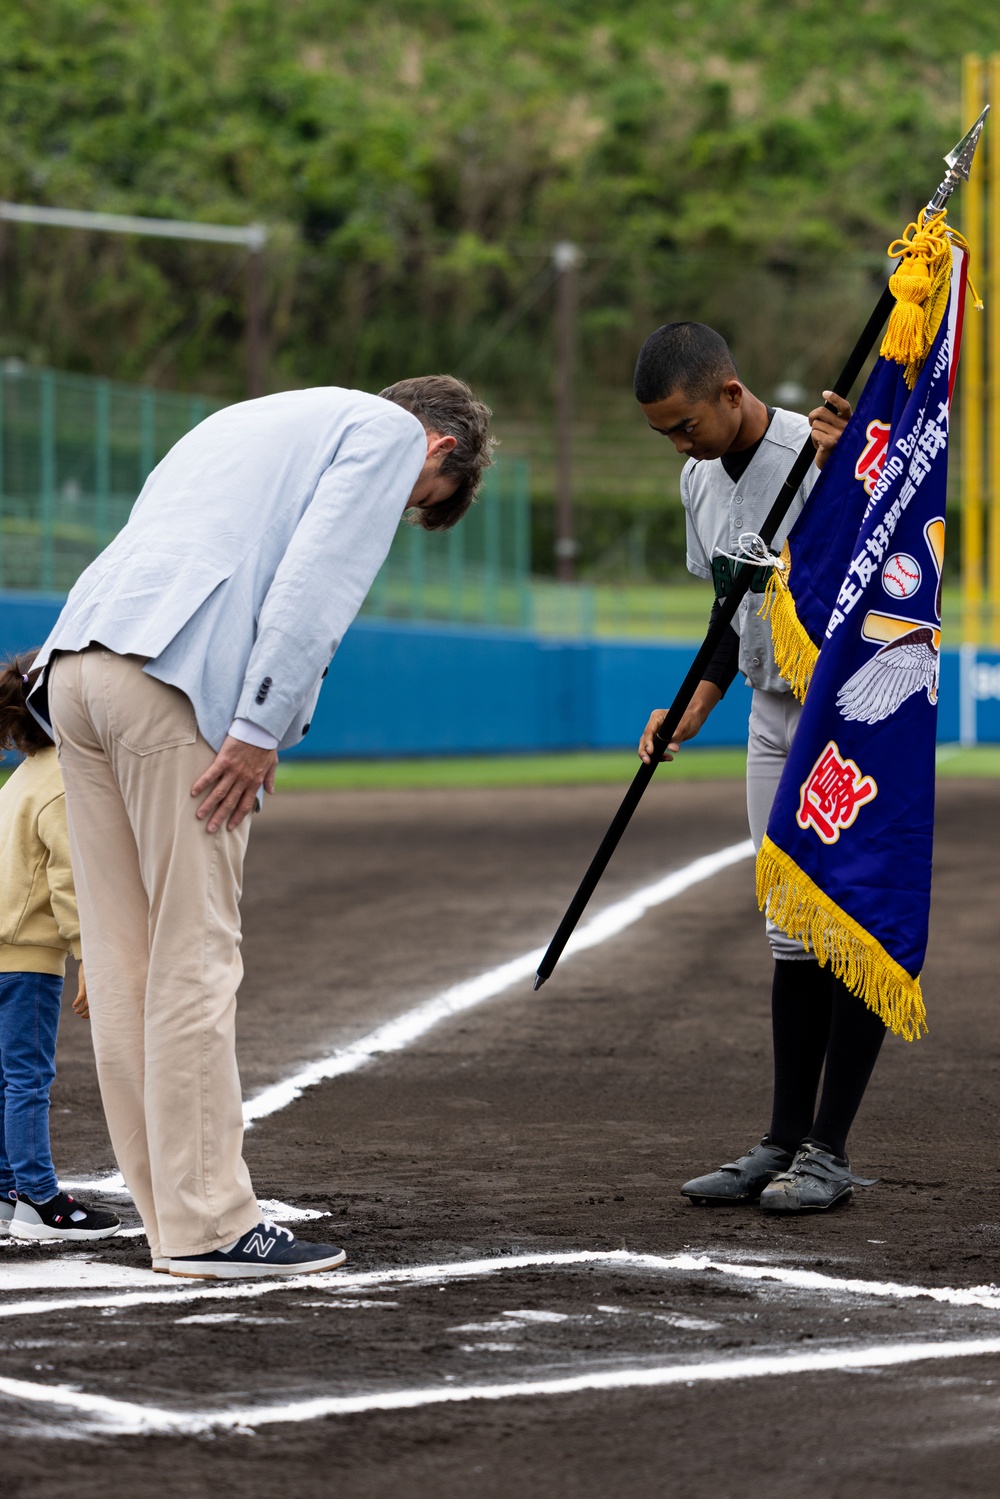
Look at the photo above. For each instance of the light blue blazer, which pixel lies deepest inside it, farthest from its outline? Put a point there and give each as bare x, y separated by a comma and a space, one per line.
249, 552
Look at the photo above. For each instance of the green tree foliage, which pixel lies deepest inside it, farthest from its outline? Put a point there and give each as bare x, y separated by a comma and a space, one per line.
416, 161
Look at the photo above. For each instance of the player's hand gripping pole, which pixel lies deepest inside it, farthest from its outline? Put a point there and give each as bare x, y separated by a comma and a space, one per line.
958, 161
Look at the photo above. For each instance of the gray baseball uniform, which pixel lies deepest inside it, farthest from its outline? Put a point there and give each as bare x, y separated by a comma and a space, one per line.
718, 509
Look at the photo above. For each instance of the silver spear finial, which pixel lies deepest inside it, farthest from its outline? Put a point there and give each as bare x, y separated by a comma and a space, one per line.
959, 160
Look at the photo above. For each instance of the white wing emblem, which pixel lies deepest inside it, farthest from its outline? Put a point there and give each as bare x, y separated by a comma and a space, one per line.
893, 674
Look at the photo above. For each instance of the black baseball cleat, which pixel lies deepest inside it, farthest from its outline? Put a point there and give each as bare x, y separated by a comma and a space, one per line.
742, 1180
62, 1217
815, 1182
265, 1250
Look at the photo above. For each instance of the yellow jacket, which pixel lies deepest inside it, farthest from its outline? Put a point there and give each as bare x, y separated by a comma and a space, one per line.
39, 923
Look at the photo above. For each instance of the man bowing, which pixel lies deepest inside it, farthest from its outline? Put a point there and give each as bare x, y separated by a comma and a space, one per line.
186, 656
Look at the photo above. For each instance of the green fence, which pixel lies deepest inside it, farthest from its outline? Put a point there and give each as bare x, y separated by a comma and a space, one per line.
476, 573
75, 451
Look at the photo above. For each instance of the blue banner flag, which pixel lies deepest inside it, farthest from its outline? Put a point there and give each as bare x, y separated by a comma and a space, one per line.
856, 617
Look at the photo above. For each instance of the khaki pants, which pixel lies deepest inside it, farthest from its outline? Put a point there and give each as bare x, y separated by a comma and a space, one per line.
160, 925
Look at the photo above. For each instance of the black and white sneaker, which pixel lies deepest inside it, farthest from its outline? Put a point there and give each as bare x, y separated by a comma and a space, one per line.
62, 1217
265, 1250
8, 1201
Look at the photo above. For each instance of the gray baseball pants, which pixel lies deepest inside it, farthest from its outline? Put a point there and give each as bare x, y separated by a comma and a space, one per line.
774, 717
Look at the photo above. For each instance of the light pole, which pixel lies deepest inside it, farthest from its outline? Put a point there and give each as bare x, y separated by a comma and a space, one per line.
253, 236
566, 257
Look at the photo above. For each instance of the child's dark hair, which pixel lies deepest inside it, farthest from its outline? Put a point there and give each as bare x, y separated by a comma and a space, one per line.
19, 728
689, 357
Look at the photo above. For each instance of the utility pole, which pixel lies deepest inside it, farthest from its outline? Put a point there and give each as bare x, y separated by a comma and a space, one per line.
566, 258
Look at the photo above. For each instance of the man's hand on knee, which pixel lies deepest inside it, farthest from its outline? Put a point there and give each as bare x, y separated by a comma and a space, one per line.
232, 782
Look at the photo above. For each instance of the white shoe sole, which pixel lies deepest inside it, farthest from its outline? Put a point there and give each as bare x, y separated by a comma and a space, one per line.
74, 1235
4, 1227
214, 1271
161, 1266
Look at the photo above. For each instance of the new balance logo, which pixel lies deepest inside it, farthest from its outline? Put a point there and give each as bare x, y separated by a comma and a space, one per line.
257, 1244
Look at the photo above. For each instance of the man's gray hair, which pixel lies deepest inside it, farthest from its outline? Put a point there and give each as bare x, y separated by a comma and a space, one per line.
447, 405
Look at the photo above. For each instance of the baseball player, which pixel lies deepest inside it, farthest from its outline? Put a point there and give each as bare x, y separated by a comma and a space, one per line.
739, 451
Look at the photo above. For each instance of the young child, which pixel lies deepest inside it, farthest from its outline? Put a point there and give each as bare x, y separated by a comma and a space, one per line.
38, 927
739, 452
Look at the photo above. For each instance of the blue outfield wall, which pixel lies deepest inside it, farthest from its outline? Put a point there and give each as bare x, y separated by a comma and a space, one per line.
433, 689
429, 689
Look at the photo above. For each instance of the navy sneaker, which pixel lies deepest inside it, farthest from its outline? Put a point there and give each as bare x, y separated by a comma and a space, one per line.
267, 1249
62, 1217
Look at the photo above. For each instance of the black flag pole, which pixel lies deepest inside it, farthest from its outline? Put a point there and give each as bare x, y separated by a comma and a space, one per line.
959, 162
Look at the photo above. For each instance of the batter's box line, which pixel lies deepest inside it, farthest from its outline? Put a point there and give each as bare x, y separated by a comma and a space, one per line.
125, 1281
108, 1417
396, 1035
100, 1414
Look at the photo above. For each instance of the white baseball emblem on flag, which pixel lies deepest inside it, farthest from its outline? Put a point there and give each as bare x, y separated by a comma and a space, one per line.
901, 575
910, 658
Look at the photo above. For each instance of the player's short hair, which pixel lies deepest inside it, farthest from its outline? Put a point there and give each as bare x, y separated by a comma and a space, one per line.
447, 405
690, 357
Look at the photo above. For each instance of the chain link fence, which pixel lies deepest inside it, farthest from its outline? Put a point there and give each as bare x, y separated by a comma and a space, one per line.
75, 452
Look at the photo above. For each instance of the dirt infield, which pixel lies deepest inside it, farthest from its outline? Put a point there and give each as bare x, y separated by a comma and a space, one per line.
529, 1129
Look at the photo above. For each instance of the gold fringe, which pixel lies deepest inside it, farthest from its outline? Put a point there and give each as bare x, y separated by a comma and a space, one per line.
794, 651
806, 914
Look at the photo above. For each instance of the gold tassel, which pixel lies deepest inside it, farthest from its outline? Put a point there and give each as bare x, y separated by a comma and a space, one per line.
806, 913
920, 284
936, 307
794, 651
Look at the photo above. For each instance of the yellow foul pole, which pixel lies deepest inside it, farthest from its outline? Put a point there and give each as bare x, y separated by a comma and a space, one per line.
993, 362
973, 80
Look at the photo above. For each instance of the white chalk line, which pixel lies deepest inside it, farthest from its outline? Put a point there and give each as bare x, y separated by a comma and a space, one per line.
117, 1417
135, 1286
133, 1282
396, 1035
400, 1033
277, 1212
121, 1417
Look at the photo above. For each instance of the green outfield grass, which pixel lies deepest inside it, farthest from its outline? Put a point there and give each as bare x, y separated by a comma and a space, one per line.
981, 760
577, 769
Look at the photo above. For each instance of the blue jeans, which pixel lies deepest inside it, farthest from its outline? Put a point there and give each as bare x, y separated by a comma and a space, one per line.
29, 1024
